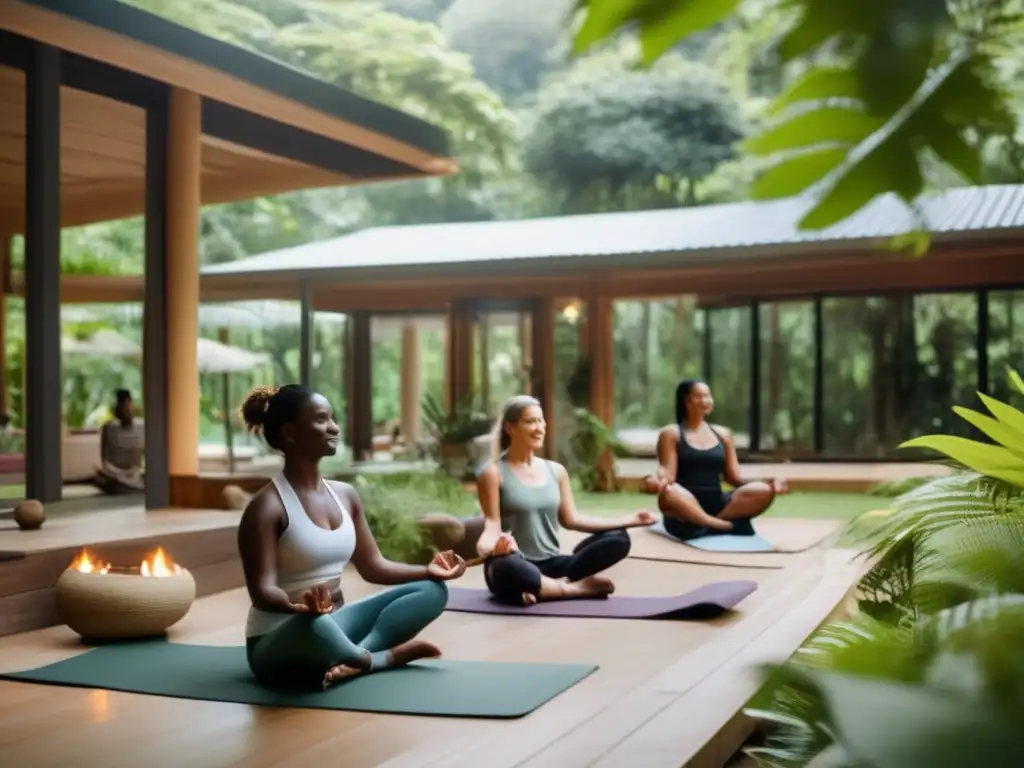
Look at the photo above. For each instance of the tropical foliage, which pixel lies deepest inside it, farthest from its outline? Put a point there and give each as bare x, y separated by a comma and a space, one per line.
888, 83
394, 504
930, 670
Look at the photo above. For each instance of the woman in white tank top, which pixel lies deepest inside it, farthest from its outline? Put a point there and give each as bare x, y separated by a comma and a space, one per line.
295, 539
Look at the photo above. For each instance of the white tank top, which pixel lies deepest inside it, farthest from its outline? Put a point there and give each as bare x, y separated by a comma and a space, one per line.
307, 555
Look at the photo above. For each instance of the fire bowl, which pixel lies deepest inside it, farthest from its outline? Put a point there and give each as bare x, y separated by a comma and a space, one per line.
112, 603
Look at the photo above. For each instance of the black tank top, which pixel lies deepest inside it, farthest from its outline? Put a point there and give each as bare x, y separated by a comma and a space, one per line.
698, 470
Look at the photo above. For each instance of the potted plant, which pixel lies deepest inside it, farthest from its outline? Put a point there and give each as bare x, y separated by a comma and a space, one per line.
454, 431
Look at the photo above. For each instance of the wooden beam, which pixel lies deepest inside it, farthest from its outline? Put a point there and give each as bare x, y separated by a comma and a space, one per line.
542, 357
155, 318
306, 335
459, 360
359, 383
819, 375
412, 384
601, 349
184, 149
6, 255
754, 387
43, 395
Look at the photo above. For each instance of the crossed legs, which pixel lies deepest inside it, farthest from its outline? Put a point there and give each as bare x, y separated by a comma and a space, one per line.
689, 515
365, 636
514, 579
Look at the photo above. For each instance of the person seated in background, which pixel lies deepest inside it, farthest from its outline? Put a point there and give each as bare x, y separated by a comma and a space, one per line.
122, 449
694, 458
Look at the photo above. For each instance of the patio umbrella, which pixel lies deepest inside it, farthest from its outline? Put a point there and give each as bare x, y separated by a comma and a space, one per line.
215, 357
106, 342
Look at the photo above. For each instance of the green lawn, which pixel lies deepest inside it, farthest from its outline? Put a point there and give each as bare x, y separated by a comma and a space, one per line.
823, 505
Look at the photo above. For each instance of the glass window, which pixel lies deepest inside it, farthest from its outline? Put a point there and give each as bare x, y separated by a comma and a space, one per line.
787, 377
657, 343
894, 368
1005, 344
730, 370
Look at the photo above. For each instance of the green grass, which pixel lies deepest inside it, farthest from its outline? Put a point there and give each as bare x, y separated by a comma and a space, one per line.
821, 506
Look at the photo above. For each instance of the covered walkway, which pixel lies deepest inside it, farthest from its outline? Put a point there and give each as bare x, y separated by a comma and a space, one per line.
744, 255
109, 112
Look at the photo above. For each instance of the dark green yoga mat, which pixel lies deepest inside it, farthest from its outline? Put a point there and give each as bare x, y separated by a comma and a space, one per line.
216, 673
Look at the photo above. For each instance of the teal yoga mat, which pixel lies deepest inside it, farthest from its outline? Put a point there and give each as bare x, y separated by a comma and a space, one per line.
720, 542
216, 673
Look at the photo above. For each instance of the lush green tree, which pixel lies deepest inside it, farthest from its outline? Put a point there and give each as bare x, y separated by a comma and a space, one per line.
899, 79
399, 61
513, 45
239, 22
605, 132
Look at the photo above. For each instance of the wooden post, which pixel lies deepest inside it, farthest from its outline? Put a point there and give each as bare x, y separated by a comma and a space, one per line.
155, 330
542, 353
6, 254
460, 351
412, 384
306, 334
184, 147
524, 336
359, 384
601, 348
43, 392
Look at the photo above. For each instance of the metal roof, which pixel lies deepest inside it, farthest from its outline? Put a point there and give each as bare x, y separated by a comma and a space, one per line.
770, 225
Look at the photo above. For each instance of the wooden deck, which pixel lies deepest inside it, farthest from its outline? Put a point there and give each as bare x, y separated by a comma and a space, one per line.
667, 693
32, 561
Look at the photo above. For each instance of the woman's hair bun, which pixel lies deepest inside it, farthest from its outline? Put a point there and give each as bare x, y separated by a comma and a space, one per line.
254, 408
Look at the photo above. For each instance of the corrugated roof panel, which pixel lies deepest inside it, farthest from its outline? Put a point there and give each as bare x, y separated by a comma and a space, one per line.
678, 230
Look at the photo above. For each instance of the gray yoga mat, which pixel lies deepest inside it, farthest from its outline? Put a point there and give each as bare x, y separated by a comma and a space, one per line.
705, 602
720, 542
220, 673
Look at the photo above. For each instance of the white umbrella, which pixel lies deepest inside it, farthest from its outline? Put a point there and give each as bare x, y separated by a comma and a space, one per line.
215, 357
104, 343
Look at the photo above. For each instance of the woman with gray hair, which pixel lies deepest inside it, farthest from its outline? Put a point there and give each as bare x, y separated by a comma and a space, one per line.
526, 500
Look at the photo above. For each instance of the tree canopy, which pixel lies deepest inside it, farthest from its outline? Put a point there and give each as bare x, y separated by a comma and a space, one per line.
608, 128
894, 81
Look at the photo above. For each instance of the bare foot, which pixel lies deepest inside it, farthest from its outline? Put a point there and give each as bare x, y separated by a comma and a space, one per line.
339, 674
590, 587
414, 650
529, 598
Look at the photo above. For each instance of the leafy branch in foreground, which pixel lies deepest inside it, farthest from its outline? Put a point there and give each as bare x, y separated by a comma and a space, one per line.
901, 79
929, 671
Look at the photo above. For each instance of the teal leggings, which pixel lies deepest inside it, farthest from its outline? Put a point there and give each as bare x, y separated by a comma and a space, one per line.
298, 652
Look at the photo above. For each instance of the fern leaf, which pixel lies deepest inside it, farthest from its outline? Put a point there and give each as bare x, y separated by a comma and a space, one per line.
992, 460
1016, 380
1009, 417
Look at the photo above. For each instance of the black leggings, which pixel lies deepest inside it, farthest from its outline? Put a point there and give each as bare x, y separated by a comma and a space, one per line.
509, 576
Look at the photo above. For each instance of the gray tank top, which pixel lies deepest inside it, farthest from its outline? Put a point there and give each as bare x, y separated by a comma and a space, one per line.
530, 512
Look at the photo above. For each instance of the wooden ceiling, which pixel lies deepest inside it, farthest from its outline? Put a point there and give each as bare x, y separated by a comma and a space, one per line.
103, 161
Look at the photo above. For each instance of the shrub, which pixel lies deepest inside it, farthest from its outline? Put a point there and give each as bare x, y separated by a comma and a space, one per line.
394, 504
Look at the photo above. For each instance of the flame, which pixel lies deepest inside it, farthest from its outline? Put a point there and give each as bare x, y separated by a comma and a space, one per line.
86, 563
159, 565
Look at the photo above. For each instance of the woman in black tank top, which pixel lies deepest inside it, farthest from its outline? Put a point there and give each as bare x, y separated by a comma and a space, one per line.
694, 458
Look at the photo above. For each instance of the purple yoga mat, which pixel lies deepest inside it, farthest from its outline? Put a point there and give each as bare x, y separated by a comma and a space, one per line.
705, 602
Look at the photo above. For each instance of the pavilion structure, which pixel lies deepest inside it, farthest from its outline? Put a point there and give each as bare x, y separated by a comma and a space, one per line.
110, 112
734, 255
